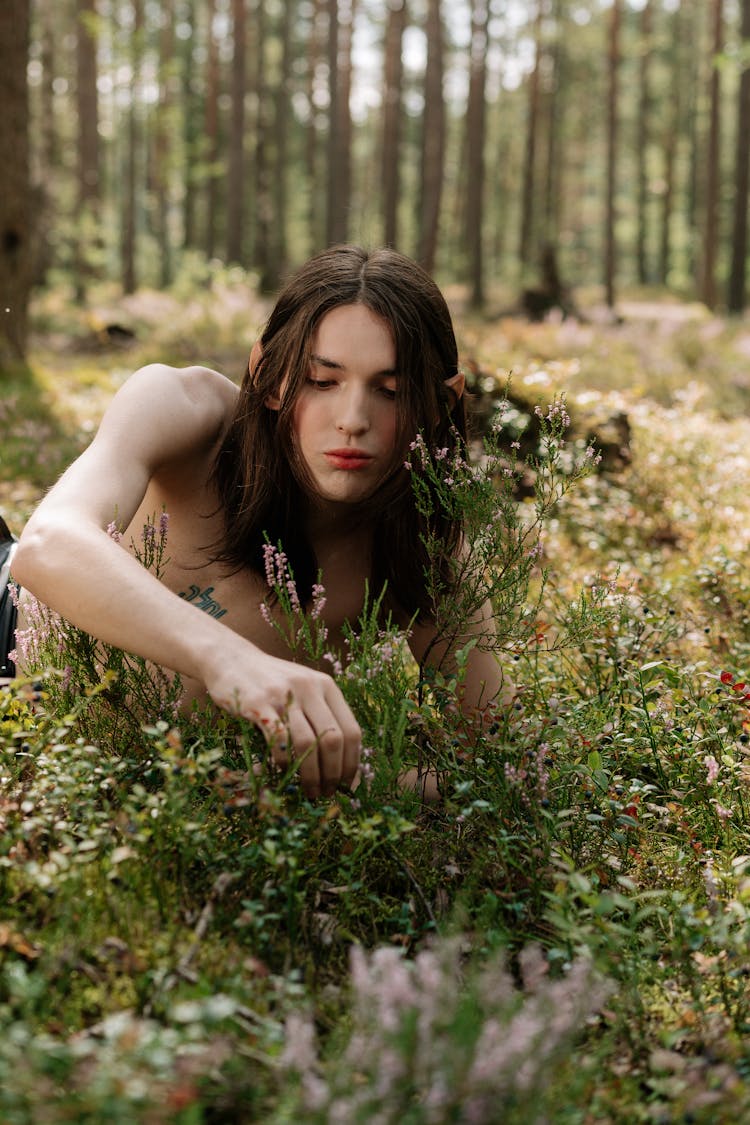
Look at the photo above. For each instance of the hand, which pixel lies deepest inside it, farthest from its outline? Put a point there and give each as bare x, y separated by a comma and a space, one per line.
300, 712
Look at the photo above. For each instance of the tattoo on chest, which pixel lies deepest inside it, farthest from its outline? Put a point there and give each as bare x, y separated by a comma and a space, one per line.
202, 600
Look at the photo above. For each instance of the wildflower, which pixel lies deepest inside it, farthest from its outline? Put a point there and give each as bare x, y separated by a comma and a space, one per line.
268, 554
293, 595
335, 663
318, 601
722, 811
163, 525
712, 769
114, 532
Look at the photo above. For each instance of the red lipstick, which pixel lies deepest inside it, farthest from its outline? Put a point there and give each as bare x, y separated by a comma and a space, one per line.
348, 458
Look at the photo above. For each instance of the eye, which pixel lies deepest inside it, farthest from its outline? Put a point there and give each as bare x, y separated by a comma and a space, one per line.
387, 392
321, 384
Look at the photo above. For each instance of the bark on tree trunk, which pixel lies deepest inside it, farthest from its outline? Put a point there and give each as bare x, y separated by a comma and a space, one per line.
643, 133
433, 139
162, 148
15, 210
476, 115
529, 168
393, 72
340, 25
133, 140
87, 111
315, 63
236, 176
711, 208
263, 210
279, 241
671, 133
212, 133
610, 248
191, 131
736, 293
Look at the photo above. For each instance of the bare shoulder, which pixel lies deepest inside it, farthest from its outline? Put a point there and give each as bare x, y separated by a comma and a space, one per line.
177, 406
184, 388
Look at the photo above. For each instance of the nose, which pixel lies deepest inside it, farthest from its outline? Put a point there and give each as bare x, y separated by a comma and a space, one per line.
353, 416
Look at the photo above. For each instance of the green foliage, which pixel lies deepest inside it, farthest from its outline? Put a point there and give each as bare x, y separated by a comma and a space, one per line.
186, 937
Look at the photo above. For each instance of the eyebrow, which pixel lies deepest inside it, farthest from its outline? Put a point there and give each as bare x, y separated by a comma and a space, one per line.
334, 366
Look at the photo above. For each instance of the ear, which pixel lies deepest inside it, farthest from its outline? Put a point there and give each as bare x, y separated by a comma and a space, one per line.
255, 357
273, 402
456, 383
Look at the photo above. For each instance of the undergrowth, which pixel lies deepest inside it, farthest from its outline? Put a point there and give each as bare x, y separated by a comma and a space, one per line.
563, 936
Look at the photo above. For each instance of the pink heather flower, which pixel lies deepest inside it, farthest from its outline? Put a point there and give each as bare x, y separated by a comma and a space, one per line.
722, 811
266, 614
148, 534
318, 600
293, 595
114, 532
712, 768
299, 1051
164, 524
335, 663
268, 553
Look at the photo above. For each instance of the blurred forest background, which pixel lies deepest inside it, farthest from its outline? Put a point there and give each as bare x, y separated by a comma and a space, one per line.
141, 137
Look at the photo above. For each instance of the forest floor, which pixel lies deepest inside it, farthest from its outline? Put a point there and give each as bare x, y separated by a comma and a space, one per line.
564, 938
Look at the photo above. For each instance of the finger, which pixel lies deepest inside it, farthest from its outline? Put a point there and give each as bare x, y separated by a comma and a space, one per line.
304, 746
330, 759
351, 734
331, 744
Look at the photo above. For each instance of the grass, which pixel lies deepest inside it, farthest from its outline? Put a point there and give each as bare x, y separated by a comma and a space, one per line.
564, 937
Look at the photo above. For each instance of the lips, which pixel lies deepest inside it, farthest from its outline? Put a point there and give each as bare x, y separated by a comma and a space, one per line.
348, 458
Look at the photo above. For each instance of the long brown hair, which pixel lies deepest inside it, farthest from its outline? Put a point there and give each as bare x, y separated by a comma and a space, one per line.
261, 479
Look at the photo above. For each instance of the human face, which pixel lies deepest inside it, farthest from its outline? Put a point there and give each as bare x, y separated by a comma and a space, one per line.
345, 415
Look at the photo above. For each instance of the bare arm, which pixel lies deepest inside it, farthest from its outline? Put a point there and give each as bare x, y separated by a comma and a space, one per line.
484, 682
65, 557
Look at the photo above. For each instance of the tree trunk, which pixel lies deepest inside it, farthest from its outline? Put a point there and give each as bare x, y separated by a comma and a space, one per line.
211, 133
263, 210
236, 176
528, 189
192, 127
340, 26
47, 152
737, 273
610, 248
672, 131
553, 192
476, 115
393, 71
15, 210
162, 146
433, 139
711, 202
87, 112
131, 166
281, 112
315, 62
643, 136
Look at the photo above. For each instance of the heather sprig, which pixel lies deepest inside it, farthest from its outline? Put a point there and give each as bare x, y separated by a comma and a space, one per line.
502, 543
431, 1042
